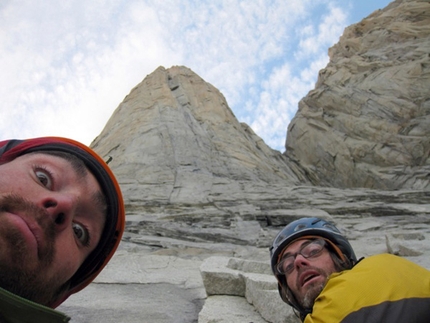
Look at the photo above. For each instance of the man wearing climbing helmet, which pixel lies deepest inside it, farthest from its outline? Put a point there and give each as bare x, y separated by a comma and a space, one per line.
61, 219
320, 277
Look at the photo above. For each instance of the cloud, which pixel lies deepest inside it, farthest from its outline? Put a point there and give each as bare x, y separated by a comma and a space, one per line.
71, 67
290, 81
66, 66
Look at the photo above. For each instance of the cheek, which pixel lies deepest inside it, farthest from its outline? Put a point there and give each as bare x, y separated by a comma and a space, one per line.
66, 269
291, 281
68, 260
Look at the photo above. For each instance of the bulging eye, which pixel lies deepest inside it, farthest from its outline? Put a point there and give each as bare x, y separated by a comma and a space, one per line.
44, 178
81, 233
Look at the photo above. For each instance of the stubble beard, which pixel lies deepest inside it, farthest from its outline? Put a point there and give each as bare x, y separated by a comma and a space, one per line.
308, 299
17, 275
310, 296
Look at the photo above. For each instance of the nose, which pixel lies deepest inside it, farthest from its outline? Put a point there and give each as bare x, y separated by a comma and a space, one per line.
300, 261
60, 209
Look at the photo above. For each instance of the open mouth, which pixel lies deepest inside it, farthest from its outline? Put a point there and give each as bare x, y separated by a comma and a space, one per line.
307, 277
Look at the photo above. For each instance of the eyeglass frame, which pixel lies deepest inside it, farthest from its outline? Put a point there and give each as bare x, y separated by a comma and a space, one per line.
321, 242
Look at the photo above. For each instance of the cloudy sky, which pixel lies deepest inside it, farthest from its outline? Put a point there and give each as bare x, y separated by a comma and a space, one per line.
66, 65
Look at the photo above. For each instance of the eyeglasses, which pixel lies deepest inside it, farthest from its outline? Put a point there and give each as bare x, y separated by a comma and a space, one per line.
311, 250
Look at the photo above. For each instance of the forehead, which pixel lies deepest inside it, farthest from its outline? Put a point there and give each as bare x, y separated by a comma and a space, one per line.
57, 156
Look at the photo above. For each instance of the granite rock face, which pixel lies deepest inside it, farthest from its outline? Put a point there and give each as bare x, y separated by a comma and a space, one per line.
367, 122
175, 140
205, 196
172, 273
187, 167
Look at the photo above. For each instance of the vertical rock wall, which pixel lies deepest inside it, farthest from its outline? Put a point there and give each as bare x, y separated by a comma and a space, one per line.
175, 140
367, 122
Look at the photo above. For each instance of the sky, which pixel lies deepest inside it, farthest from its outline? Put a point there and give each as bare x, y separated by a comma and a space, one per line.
65, 66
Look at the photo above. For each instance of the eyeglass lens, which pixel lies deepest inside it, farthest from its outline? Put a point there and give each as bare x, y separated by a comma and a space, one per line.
310, 250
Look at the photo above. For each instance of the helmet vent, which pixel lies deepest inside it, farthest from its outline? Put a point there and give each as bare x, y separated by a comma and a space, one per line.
300, 227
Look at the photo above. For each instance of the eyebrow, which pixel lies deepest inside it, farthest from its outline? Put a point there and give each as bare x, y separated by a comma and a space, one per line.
100, 207
99, 200
78, 165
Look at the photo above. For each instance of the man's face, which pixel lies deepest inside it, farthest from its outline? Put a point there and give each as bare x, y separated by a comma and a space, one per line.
51, 218
309, 275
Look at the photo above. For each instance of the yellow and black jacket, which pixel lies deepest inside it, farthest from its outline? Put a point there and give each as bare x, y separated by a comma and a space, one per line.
380, 288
